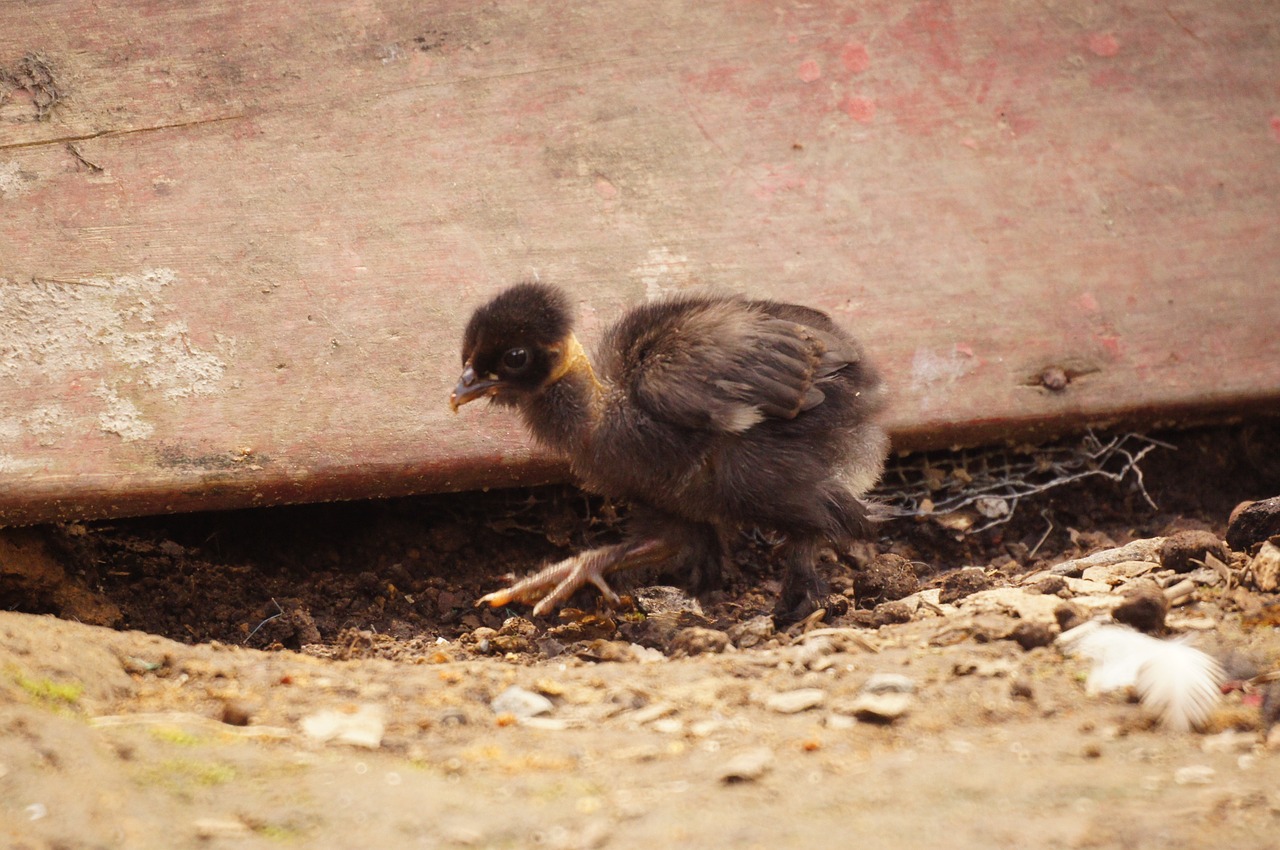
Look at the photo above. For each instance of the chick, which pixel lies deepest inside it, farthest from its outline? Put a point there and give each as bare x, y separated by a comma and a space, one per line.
707, 413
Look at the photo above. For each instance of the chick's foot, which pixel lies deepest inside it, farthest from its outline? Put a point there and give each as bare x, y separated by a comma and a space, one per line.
555, 584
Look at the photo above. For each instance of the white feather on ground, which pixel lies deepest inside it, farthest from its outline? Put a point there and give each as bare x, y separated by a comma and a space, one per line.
1176, 681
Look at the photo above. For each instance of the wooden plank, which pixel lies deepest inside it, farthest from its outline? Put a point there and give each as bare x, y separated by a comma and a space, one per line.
238, 243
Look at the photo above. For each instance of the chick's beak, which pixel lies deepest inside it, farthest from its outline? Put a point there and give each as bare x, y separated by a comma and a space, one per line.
470, 387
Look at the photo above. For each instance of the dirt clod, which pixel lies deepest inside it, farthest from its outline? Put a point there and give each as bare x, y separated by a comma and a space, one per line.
1144, 608
1184, 551
885, 578
33, 76
962, 583
696, 641
753, 632
888, 613
1029, 635
30, 571
1253, 522
1068, 616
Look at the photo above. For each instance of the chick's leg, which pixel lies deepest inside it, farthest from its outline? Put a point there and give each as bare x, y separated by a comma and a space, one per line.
802, 586
555, 584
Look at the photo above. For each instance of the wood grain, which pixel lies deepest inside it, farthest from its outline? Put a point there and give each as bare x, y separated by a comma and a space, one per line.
238, 241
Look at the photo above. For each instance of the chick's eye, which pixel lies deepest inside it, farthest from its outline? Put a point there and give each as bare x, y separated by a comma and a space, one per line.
515, 359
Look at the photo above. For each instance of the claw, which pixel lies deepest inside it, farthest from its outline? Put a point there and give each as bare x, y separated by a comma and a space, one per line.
552, 586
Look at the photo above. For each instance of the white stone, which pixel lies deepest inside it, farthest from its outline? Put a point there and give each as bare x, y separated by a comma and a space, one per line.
747, 766
521, 703
793, 702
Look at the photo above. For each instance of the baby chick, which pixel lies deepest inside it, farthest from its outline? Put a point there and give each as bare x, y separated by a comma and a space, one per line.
707, 413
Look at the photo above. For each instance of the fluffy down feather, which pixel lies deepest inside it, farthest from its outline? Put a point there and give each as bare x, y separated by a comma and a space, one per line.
1175, 681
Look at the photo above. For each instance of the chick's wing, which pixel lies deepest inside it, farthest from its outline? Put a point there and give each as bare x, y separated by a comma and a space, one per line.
726, 365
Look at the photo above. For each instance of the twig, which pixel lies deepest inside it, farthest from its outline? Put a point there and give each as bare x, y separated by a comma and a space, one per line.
926, 486
279, 611
1043, 537
75, 152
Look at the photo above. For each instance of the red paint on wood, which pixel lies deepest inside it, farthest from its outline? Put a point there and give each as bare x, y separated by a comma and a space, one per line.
236, 257
1103, 44
854, 58
861, 109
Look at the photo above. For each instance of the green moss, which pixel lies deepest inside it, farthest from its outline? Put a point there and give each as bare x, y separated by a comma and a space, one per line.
281, 832
63, 694
174, 735
182, 776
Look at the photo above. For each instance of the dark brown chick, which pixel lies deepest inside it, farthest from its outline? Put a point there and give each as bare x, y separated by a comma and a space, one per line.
708, 413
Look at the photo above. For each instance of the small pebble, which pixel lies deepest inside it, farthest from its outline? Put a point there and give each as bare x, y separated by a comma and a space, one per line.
1180, 593
753, 632
362, 727
521, 703
483, 638
1265, 567
1054, 379
664, 599
747, 766
453, 717
1118, 573
888, 683
1229, 741
209, 828
1196, 774
815, 654
696, 640
517, 627
547, 724
881, 707
704, 728
794, 702
668, 725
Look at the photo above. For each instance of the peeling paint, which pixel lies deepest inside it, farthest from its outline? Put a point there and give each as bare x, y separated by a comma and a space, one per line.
46, 423
118, 333
13, 180
9, 464
934, 373
122, 417
662, 271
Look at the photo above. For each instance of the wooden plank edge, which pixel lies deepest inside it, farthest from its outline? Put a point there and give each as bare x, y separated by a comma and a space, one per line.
223, 490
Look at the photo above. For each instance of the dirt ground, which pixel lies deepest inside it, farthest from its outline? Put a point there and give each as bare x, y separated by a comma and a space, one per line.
318, 677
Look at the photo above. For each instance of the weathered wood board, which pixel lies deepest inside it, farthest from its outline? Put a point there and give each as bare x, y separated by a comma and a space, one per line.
238, 241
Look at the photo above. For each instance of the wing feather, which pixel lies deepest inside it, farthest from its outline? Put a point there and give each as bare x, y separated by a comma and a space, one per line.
726, 364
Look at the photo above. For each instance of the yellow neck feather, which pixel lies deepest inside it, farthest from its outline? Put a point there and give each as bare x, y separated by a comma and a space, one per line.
572, 359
